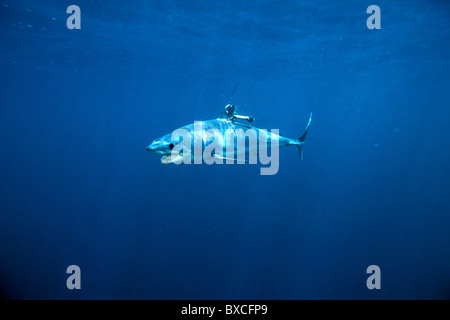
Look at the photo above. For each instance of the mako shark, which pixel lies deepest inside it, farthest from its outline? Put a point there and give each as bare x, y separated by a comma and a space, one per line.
216, 140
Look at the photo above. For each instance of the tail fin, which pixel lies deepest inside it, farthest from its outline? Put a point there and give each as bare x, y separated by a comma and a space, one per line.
303, 138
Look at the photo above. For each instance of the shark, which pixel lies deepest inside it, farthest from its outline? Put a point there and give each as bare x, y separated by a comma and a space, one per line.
223, 139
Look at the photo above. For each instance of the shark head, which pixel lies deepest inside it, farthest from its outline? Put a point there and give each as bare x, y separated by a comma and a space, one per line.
162, 145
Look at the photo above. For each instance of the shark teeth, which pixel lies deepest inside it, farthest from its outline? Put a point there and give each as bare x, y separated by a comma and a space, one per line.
169, 158
166, 159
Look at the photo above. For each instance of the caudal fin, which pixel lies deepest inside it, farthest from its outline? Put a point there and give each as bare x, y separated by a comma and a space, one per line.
303, 138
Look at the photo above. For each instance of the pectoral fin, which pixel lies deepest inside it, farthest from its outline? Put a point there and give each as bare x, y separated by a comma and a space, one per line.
215, 155
226, 158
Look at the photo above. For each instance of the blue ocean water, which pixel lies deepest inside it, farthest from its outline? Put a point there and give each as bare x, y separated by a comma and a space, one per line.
78, 108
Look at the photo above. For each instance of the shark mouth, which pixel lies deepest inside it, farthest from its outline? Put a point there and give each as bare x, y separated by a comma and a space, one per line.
169, 158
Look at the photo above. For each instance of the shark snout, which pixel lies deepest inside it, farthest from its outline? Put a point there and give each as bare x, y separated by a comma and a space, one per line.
157, 147
152, 147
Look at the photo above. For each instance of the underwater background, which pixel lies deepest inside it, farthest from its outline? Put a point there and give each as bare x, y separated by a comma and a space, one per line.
78, 108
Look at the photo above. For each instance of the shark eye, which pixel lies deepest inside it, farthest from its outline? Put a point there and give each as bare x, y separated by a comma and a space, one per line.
171, 146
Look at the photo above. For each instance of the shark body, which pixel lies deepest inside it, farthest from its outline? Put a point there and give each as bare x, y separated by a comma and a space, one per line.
214, 140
